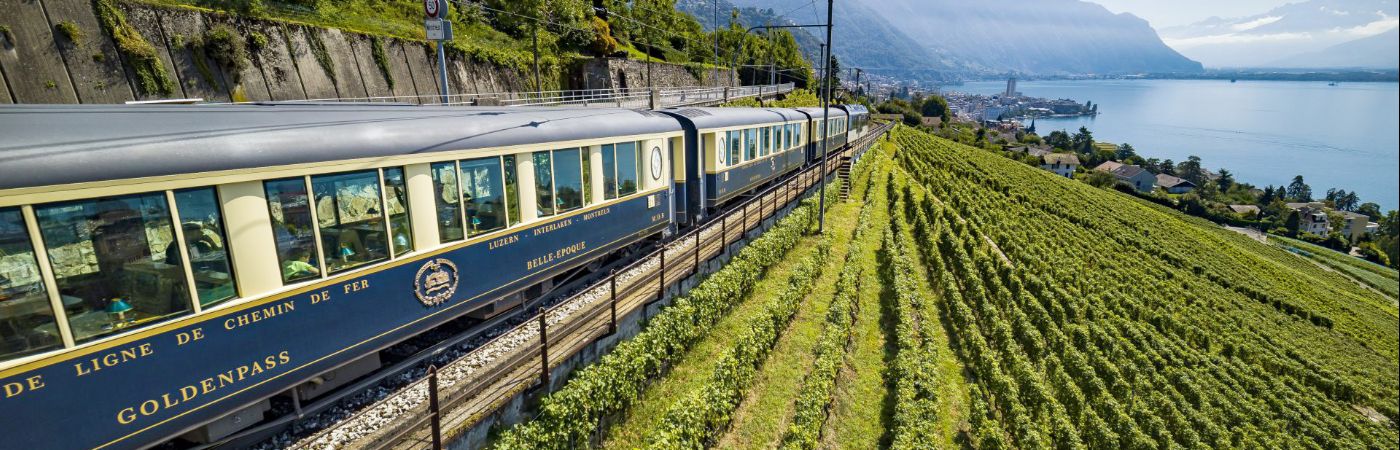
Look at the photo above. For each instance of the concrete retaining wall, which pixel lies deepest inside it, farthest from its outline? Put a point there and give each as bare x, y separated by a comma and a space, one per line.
39, 63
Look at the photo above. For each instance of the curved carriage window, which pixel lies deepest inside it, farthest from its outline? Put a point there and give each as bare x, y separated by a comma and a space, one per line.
350, 214
544, 184
628, 159
449, 205
396, 193
609, 171
203, 227
568, 180
750, 144
291, 226
26, 317
109, 262
483, 191
512, 189
735, 147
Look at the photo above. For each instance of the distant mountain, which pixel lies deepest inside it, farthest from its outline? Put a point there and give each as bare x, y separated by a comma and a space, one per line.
1295, 35
1037, 37
1381, 51
939, 40
863, 38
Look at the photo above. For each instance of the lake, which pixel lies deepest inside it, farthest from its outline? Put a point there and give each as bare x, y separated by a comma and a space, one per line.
1265, 132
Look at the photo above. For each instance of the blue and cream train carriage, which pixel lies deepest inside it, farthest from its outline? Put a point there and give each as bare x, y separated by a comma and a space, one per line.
161, 266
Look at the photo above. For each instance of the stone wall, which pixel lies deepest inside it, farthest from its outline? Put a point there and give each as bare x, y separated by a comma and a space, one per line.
617, 73
41, 63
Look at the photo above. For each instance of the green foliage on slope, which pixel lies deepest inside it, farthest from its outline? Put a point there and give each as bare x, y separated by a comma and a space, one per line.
1085, 318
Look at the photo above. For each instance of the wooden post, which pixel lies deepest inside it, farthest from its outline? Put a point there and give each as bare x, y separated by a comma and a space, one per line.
661, 276
436, 413
612, 279
724, 233
697, 252
544, 351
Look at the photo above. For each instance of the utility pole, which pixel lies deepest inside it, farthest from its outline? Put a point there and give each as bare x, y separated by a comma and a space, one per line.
535, 42
858, 71
772, 56
717, 45
826, 109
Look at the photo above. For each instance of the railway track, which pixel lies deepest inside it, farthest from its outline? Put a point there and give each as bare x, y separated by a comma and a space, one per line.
470, 374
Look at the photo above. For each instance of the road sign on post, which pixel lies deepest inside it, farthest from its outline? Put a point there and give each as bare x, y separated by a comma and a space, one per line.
437, 28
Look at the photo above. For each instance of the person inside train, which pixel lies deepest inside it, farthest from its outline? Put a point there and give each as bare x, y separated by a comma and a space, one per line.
299, 265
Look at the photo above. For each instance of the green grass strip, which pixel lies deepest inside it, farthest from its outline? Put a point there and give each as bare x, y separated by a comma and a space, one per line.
568, 417
695, 420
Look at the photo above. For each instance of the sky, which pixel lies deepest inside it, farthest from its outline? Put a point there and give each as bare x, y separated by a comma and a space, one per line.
1166, 13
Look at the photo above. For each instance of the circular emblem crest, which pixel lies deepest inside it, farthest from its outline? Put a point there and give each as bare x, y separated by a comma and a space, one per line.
656, 163
435, 282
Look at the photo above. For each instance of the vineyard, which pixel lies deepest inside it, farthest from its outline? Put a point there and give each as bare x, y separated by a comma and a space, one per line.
963, 300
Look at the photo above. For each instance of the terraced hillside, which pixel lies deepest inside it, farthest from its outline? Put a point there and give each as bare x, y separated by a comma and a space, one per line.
963, 300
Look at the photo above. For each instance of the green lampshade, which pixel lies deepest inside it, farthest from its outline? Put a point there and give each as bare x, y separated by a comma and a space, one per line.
118, 306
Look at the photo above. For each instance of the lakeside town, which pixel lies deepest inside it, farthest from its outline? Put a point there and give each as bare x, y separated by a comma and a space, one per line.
1005, 123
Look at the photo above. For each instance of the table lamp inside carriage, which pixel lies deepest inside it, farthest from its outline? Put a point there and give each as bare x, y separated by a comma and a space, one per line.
116, 311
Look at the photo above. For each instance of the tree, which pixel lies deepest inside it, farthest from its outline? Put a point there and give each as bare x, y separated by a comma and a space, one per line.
1269, 195
1125, 151
1058, 139
1348, 201
1098, 178
1083, 141
1299, 190
1226, 180
1292, 222
1371, 210
1190, 170
603, 41
1167, 168
934, 106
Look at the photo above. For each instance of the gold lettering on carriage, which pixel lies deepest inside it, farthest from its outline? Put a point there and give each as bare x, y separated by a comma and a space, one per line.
503, 241
540, 261
552, 226
435, 282
222, 381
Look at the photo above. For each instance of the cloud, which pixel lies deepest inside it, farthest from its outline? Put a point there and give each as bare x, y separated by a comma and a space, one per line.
1241, 36
1384, 24
1256, 23
1233, 38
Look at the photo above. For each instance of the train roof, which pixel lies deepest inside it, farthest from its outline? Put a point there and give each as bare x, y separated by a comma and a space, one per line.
816, 111
855, 108
707, 118
62, 144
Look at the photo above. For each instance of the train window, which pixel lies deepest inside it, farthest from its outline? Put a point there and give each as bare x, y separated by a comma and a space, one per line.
512, 189
609, 171
27, 323
765, 143
568, 180
350, 216
449, 201
544, 183
396, 194
750, 144
628, 161
109, 259
734, 147
587, 176
202, 225
291, 226
483, 190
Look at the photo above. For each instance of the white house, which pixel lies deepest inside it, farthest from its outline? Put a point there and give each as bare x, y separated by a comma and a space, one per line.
1062, 164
